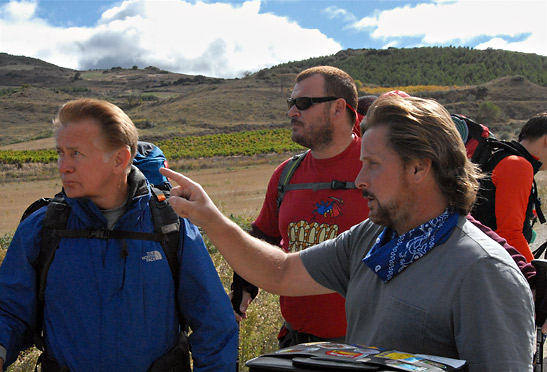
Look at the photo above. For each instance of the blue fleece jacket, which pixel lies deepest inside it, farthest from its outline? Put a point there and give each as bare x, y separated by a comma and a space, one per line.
107, 312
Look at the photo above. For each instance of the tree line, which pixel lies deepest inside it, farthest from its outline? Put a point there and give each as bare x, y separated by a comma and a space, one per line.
428, 65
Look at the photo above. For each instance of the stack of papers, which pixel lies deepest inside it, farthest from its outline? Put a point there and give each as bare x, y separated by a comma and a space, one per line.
327, 356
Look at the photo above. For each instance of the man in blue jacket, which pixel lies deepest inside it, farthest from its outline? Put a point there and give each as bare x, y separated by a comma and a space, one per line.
110, 304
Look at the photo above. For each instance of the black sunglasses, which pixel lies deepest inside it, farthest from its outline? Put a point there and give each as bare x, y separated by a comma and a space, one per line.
304, 103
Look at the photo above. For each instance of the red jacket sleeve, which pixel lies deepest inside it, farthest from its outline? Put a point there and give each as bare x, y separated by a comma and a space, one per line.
513, 178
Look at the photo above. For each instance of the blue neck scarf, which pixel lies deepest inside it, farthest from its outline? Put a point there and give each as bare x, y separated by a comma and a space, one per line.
389, 259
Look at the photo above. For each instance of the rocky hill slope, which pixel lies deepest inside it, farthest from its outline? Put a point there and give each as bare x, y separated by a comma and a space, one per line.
165, 104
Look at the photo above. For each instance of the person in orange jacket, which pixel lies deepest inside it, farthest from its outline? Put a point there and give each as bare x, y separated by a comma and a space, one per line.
506, 200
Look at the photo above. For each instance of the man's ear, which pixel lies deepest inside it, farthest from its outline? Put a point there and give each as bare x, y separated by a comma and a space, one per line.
420, 169
122, 157
339, 107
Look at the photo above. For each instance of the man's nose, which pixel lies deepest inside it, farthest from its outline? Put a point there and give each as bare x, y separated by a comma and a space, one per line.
361, 181
293, 111
65, 165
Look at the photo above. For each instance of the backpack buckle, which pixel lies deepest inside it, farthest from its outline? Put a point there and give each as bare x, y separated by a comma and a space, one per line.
337, 185
99, 234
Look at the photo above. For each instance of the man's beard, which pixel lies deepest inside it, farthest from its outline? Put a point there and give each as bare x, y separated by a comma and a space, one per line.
382, 213
391, 212
317, 136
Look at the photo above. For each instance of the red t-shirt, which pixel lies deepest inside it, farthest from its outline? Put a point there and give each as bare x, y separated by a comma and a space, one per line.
308, 217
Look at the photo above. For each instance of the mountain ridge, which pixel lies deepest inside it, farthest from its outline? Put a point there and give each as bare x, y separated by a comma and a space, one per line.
165, 104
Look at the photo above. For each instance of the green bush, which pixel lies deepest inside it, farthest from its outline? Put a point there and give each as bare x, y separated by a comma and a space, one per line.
247, 143
489, 112
27, 156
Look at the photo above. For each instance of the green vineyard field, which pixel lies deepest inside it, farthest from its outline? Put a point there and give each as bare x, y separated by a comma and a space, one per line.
231, 144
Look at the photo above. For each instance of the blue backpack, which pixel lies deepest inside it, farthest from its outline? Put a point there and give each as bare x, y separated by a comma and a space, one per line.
149, 159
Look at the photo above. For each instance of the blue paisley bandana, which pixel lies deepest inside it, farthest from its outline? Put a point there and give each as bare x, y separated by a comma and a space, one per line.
390, 259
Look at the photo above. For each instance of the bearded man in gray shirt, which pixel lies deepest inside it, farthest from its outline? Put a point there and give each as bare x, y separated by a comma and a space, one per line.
417, 276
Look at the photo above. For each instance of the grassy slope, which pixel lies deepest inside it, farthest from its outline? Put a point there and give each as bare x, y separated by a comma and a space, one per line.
164, 104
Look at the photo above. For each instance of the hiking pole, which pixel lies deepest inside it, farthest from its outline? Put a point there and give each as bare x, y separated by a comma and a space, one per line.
541, 311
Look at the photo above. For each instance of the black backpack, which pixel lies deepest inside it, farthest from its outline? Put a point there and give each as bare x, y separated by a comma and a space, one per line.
288, 170
477, 138
486, 151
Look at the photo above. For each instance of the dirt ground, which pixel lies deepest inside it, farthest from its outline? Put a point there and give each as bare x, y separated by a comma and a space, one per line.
238, 191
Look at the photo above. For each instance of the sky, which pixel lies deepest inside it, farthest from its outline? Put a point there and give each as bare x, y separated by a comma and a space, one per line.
229, 39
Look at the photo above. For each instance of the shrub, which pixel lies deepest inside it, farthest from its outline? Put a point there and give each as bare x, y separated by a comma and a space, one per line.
488, 112
143, 123
4, 244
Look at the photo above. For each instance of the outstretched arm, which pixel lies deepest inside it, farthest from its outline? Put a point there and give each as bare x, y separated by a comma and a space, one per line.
260, 263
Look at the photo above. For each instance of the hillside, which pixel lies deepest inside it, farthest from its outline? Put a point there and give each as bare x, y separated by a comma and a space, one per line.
517, 98
430, 65
165, 104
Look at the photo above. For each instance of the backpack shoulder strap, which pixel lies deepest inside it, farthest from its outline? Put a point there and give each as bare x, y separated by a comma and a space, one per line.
286, 175
500, 150
55, 219
540, 250
167, 223
288, 171
497, 151
537, 203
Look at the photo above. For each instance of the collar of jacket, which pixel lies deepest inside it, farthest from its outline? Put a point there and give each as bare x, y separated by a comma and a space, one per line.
536, 164
138, 195
136, 184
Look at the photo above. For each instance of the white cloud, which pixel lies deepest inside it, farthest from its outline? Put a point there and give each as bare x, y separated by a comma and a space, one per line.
16, 11
24, 34
513, 25
212, 39
334, 12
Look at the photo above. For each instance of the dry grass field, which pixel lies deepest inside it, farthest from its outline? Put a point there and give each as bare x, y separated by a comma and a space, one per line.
237, 188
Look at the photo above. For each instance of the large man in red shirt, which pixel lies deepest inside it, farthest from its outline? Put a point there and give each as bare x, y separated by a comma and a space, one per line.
321, 109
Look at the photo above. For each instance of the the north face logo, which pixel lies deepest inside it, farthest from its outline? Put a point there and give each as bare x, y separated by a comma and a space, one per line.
152, 256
